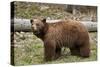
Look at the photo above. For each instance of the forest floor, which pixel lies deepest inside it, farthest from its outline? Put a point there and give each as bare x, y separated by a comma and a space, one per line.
29, 50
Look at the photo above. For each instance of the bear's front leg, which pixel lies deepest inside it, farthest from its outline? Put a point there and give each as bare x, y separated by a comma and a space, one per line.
58, 52
75, 51
49, 50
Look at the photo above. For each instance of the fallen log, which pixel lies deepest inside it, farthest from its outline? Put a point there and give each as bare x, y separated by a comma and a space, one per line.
24, 25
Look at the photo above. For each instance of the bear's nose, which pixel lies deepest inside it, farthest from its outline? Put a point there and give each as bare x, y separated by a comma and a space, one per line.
34, 27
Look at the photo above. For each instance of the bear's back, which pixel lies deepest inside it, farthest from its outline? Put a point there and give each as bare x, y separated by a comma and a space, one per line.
65, 32
66, 26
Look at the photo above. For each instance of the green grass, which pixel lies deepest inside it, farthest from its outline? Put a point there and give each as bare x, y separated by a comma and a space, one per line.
30, 51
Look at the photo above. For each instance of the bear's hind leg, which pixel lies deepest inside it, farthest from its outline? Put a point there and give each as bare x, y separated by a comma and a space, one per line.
75, 51
85, 50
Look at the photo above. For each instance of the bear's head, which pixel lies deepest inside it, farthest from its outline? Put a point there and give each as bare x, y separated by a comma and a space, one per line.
38, 25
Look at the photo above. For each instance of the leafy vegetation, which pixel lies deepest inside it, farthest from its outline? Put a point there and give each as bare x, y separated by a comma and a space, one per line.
54, 11
30, 51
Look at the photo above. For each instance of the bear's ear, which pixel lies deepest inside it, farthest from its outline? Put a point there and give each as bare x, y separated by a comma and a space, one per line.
31, 20
44, 20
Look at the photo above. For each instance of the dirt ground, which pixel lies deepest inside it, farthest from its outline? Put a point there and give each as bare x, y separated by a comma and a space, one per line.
28, 50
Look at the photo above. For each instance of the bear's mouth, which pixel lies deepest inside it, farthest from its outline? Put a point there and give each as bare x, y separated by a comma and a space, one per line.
36, 32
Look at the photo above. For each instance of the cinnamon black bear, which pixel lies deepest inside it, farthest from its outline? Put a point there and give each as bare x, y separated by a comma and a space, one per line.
67, 33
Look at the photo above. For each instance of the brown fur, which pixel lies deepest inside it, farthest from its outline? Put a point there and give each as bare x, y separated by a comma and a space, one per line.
71, 34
